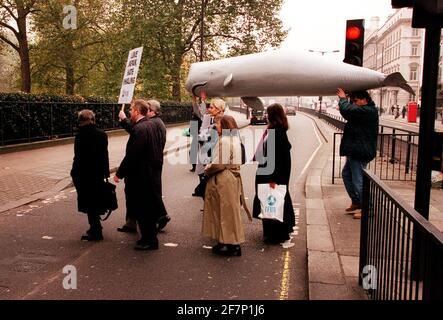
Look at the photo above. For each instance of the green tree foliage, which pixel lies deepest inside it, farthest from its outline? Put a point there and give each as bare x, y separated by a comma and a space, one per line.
91, 59
172, 31
14, 21
64, 59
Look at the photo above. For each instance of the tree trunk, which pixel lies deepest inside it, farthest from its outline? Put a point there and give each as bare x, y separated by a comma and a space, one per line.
70, 81
22, 39
176, 78
69, 66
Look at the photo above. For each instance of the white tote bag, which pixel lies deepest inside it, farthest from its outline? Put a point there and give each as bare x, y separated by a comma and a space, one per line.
271, 201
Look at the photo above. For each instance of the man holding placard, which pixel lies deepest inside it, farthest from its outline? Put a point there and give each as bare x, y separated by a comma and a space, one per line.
137, 170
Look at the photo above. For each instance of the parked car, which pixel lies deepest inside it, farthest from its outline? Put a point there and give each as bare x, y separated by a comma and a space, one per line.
259, 117
290, 110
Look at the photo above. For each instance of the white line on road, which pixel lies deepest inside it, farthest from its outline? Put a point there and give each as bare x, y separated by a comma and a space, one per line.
315, 152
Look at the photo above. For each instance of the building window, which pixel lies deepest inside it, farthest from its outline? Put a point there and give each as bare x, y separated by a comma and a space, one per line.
413, 73
414, 50
415, 32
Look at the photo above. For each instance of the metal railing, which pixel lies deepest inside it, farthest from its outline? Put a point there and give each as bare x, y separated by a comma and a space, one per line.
396, 157
396, 150
401, 253
336, 121
24, 122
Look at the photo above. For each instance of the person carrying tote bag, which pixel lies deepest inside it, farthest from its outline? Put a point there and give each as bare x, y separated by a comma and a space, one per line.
274, 231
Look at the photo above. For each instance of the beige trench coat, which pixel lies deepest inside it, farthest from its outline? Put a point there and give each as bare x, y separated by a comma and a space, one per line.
224, 195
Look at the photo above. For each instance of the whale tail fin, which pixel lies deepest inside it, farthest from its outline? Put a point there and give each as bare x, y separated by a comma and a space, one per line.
396, 80
253, 102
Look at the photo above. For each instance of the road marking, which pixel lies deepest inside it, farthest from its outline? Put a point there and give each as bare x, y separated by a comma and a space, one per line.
315, 152
284, 288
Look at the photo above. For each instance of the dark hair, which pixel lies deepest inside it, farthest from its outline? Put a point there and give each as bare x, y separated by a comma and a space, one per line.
277, 117
362, 94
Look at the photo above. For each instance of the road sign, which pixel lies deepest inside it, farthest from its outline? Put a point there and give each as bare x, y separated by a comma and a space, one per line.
130, 76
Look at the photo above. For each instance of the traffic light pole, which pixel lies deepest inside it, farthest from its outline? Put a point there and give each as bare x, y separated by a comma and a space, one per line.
427, 120
426, 133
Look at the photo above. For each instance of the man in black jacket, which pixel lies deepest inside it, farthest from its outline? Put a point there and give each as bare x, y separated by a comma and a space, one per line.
136, 168
359, 142
89, 169
157, 138
157, 141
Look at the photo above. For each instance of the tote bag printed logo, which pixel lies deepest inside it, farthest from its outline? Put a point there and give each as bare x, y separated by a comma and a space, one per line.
270, 208
271, 201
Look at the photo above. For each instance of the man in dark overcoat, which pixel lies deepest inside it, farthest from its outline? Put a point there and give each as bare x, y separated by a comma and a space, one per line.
157, 142
137, 170
89, 169
157, 139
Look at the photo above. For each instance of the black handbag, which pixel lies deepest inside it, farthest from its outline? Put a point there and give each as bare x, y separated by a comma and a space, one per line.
109, 198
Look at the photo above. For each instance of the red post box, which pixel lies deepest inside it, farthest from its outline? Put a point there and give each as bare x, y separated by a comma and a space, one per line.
412, 111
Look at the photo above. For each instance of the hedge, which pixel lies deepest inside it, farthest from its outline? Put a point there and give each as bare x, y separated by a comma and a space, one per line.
34, 117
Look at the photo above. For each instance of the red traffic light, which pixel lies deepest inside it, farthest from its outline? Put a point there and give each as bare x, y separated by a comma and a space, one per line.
353, 33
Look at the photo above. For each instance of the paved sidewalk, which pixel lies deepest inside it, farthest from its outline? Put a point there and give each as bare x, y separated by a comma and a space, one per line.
27, 176
333, 236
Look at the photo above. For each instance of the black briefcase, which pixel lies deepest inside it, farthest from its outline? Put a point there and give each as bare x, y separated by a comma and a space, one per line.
109, 198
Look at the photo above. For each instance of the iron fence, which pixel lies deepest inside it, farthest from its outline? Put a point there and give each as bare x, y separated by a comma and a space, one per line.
397, 150
396, 157
401, 253
24, 122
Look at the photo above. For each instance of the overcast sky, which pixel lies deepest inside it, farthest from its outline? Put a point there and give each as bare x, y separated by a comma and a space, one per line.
321, 24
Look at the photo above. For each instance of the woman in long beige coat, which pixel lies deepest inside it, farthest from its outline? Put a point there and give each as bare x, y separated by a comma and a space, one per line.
224, 196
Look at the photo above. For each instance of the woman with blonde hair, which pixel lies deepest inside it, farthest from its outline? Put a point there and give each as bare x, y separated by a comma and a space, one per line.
215, 109
224, 195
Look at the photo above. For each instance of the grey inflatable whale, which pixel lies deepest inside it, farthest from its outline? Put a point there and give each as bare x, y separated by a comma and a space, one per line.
284, 73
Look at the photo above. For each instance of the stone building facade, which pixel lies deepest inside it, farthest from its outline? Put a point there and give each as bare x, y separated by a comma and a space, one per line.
395, 47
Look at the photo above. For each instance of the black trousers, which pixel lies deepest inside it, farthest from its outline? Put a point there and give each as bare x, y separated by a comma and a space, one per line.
147, 223
200, 189
94, 222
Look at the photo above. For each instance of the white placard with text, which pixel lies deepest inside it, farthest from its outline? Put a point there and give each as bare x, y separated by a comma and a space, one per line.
130, 76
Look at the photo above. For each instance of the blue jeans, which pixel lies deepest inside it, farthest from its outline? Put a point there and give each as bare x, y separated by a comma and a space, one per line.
352, 175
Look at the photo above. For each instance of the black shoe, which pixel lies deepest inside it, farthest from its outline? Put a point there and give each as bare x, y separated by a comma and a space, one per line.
217, 247
92, 236
127, 229
229, 250
197, 194
192, 170
162, 222
142, 246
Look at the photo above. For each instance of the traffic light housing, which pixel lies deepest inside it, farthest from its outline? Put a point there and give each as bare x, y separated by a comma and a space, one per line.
355, 35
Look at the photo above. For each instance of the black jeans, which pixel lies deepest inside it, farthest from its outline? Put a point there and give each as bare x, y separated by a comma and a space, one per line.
147, 222
94, 222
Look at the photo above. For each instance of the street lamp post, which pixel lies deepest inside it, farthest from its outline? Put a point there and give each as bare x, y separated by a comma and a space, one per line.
381, 68
320, 98
202, 25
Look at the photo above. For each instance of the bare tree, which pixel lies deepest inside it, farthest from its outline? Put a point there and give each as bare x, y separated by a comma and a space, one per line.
18, 11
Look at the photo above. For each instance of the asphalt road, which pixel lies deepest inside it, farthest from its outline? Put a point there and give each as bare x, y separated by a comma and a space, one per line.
38, 240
